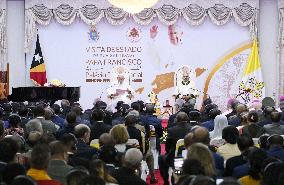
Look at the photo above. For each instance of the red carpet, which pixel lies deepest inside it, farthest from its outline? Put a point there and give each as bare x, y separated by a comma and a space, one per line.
157, 172
158, 177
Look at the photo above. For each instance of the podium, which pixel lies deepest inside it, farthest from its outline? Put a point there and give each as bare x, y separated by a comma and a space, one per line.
51, 94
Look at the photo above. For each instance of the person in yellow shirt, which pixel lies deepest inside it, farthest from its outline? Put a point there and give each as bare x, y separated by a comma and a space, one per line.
256, 156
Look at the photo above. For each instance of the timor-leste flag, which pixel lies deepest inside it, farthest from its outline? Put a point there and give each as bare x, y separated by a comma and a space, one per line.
37, 70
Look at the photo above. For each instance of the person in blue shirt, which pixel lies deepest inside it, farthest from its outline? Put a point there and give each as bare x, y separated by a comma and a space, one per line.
276, 150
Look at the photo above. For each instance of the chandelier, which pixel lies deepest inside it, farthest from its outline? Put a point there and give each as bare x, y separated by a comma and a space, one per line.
133, 6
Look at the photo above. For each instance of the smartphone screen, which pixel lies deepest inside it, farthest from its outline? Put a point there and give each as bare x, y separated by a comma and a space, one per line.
178, 162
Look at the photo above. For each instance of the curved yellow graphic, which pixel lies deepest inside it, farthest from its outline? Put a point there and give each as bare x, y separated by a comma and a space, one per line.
221, 63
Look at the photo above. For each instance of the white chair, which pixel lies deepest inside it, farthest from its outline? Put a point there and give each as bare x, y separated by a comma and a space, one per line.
179, 144
255, 141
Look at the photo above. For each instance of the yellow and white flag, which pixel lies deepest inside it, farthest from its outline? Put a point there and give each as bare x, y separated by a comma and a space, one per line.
252, 87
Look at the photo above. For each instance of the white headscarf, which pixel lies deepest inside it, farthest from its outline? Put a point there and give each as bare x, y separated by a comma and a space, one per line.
220, 122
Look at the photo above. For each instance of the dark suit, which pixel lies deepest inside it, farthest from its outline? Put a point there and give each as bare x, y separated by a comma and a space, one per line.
277, 152
148, 120
208, 124
265, 121
126, 176
232, 163
253, 130
174, 134
58, 169
84, 150
98, 128
274, 128
134, 133
236, 121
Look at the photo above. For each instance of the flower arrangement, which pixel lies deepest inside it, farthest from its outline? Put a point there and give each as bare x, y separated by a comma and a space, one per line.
55, 83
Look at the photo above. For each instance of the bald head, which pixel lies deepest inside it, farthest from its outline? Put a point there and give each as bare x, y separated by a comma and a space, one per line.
201, 135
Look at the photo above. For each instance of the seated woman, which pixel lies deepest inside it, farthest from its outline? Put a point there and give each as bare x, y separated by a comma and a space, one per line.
220, 122
230, 149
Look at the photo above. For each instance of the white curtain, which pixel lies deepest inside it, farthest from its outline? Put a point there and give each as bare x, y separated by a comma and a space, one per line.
3, 35
91, 12
280, 51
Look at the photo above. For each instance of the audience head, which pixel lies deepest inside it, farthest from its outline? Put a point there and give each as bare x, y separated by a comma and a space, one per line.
244, 118
33, 138
56, 109
92, 180
241, 108
201, 135
136, 106
267, 111
275, 116
182, 117
69, 140
207, 101
262, 141
58, 150
23, 180
23, 111
76, 175
220, 122
252, 117
119, 134
34, 125
192, 167
108, 154
244, 142
201, 153
230, 103
65, 103
100, 105
188, 140
131, 120
48, 113
150, 108
83, 132
14, 120
230, 134
198, 180
209, 107
256, 156
71, 118
187, 107
38, 111
194, 115
98, 169
11, 171
275, 140
106, 139
98, 115
77, 110
214, 112
271, 173
40, 156
133, 158
178, 104
8, 148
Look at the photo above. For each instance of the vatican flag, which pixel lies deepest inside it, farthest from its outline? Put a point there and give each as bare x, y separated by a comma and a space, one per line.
252, 86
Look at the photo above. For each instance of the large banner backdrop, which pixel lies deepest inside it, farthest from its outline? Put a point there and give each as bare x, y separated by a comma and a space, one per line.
82, 55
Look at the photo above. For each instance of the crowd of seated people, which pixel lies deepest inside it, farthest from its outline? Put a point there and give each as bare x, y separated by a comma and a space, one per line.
63, 144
